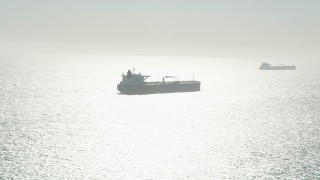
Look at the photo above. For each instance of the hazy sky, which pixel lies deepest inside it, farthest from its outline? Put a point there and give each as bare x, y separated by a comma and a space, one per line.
164, 24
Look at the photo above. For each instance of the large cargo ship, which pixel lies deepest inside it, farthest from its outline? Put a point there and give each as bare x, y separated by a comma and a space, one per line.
267, 66
135, 84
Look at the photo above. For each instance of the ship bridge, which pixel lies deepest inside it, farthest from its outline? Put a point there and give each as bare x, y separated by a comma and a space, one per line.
133, 79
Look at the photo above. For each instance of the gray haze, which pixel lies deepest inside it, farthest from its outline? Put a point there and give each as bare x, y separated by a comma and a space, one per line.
260, 28
61, 116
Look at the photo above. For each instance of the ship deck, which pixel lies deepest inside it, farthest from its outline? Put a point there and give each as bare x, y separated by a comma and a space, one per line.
171, 82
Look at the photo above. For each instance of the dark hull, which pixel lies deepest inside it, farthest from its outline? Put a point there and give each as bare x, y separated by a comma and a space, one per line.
159, 88
278, 68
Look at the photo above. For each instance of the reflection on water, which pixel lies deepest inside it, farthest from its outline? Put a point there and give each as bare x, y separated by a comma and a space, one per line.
62, 118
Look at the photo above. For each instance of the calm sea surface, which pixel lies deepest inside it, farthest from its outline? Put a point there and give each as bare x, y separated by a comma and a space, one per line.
61, 117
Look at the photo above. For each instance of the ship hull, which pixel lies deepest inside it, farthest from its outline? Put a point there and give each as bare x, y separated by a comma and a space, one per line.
278, 68
158, 88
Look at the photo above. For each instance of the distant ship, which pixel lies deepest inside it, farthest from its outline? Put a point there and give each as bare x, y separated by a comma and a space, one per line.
267, 66
135, 84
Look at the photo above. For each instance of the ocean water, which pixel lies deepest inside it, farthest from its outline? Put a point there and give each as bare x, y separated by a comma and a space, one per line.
61, 117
